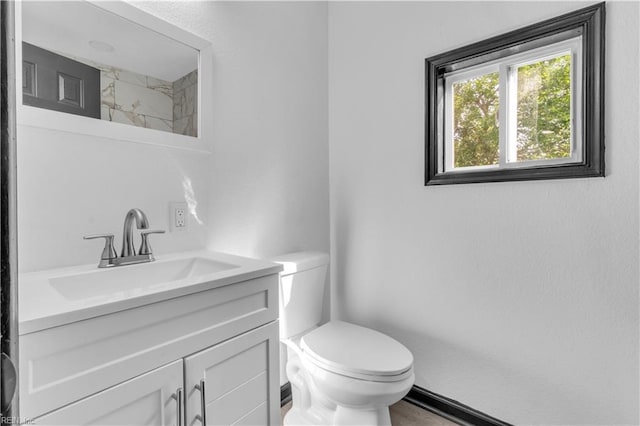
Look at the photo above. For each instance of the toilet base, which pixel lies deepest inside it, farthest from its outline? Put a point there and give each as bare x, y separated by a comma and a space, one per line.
293, 418
375, 416
343, 416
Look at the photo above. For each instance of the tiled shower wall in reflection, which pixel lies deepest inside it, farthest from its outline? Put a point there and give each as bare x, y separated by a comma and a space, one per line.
144, 101
136, 99
185, 104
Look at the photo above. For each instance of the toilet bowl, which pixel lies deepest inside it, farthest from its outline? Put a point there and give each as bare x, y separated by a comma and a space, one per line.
340, 373
344, 374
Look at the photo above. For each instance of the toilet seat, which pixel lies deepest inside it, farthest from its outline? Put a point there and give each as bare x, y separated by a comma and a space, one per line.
357, 352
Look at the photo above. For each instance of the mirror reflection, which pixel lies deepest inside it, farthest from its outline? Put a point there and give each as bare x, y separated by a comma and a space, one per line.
81, 59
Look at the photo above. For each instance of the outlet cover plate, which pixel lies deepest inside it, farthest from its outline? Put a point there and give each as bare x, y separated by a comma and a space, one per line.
178, 216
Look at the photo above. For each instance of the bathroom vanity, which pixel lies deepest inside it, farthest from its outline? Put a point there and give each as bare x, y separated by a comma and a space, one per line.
190, 339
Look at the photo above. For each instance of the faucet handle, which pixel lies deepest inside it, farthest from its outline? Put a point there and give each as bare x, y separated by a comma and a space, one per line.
145, 247
108, 252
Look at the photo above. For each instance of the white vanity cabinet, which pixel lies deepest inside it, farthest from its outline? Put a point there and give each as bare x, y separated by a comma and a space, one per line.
126, 367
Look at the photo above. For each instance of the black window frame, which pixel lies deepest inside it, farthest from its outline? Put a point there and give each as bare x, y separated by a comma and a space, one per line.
590, 24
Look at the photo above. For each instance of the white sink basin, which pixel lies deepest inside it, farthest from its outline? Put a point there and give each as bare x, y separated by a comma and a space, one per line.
134, 278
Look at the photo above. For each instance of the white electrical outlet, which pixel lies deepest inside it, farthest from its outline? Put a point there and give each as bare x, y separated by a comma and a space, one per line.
178, 212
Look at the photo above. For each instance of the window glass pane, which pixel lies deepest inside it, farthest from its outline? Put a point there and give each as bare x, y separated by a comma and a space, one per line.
475, 121
544, 109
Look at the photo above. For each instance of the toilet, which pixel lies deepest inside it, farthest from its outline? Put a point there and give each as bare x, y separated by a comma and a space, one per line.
340, 373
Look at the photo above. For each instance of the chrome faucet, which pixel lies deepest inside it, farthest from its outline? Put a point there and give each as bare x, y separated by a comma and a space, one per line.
127, 237
128, 254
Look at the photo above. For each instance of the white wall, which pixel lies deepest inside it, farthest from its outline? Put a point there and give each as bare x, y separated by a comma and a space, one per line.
268, 173
517, 299
266, 181
270, 183
71, 185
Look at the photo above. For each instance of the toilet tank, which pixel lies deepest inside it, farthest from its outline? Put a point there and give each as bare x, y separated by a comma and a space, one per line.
302, 285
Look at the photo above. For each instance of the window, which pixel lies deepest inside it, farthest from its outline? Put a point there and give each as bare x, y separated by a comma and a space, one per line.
522, 106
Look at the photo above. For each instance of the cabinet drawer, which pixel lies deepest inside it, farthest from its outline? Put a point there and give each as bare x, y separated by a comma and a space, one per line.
150, 399
63, 364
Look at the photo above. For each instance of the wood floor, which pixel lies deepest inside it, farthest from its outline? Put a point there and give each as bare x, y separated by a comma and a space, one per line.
405, 414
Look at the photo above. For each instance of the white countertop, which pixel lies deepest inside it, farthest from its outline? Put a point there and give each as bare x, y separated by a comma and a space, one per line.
42, 306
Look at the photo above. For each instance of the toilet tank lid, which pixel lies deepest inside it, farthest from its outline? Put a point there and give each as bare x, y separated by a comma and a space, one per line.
301, 261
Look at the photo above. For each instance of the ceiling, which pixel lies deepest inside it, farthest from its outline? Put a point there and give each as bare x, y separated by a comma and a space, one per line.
69, 26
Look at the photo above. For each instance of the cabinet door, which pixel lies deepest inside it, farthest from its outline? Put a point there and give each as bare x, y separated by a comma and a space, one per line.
149, 399
235, 382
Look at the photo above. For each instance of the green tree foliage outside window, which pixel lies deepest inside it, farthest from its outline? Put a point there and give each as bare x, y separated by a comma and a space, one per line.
475, 121
543, 114
544, 109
